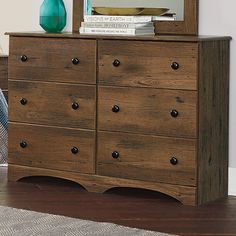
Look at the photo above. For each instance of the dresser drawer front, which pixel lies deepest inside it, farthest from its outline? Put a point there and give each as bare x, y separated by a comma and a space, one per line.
148, 111
53, 104
50, 59
52, 148
147, 158
148, 64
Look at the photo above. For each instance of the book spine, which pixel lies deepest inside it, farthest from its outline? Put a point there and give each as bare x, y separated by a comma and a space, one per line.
114, 25
107, 31
126, 19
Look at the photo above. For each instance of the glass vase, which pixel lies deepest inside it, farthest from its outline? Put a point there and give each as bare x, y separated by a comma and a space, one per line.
53, 15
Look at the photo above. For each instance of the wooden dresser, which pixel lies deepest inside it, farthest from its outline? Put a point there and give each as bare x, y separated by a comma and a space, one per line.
145, 112
3, 74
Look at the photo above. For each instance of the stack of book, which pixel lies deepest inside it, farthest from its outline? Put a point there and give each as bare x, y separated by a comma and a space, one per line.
117, 25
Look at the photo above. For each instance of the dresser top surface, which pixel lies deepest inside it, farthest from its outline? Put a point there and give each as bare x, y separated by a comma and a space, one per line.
178, 38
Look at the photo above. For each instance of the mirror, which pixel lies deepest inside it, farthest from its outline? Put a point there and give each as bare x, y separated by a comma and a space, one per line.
186, 13
175, 6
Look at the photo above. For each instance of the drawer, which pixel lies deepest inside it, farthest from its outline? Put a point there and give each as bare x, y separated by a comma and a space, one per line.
148, 64
52, 104
149, 158
51, 148
148, 111
50, 59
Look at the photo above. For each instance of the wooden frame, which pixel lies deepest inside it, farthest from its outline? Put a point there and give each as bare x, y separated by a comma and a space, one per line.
188, 27
78, 14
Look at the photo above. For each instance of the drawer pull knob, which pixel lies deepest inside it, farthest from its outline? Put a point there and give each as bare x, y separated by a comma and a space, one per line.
75, 105
174, 161
116, 63
23, 144
115, 108
115, 154
175, 65
174, 113
75, 61
24, 58
23, 101
74, 150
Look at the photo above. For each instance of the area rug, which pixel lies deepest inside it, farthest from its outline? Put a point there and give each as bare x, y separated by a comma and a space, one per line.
17, 222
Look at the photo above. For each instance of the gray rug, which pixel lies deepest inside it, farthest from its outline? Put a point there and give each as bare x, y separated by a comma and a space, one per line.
17, 222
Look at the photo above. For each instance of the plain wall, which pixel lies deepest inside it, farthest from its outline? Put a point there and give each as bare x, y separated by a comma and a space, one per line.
215, 18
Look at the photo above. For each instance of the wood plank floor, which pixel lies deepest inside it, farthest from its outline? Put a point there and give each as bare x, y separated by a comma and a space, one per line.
129, 207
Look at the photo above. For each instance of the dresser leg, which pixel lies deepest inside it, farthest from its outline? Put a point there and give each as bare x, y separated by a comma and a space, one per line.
96, 189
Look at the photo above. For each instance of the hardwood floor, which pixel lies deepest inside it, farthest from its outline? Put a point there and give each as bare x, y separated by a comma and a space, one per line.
129, 207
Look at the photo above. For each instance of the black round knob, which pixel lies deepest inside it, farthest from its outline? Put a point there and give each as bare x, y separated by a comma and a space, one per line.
23, 101
24, 58
74, 150
115, 108
75, 105
23, 144
115, 154
174, 161
75, 61
116, 63
174, 113
175, 65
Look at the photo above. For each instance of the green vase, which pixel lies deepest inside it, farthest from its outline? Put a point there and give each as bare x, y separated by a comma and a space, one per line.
53, 15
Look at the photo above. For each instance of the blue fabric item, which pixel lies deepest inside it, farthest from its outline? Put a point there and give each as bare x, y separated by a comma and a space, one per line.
3, 110
3, 128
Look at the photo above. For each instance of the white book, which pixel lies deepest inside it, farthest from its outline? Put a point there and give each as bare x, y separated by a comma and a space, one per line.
116, 25
117, 31
126, 19
164, 18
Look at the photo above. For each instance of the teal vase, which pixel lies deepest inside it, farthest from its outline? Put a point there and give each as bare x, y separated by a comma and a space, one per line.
53, 15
